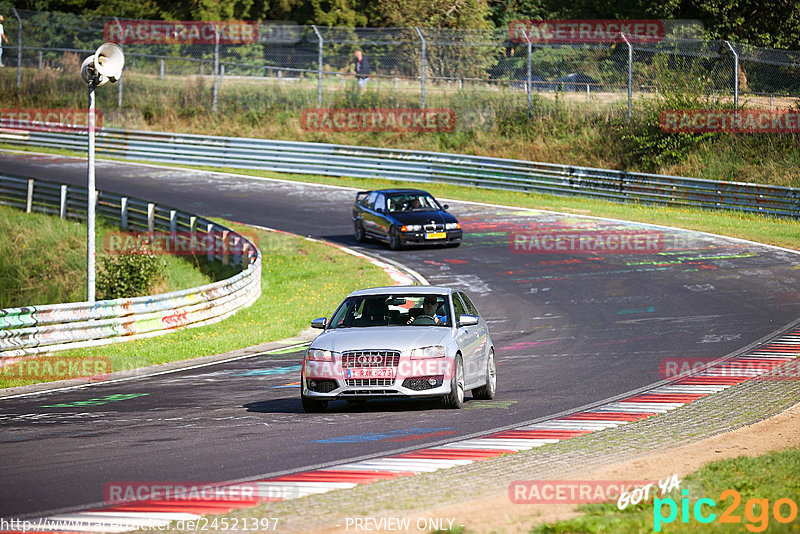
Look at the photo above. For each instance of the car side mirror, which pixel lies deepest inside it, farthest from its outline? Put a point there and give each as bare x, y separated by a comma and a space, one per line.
320, 323
467, 320
446, 207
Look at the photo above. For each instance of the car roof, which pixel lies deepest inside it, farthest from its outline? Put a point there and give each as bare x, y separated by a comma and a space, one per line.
417, 290
398, 191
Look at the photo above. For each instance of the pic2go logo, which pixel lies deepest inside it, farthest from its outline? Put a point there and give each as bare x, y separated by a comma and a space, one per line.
756, 511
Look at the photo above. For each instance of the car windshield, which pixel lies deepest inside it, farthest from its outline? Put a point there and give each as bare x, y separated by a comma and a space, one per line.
412, 202
392, 310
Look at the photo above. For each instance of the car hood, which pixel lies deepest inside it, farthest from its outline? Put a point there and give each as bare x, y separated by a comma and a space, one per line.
401, 338
423, 217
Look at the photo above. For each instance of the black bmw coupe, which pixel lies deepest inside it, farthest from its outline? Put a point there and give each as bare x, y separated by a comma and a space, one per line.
403, 217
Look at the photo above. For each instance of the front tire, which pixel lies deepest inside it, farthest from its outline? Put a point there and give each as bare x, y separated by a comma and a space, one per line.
358, 231
455, 399
314, 405
487, 391
394, 239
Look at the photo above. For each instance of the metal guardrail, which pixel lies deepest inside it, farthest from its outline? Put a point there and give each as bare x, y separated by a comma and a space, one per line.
406, 165
37, 329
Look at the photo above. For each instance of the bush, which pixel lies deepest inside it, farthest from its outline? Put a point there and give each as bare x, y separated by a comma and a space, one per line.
129, 275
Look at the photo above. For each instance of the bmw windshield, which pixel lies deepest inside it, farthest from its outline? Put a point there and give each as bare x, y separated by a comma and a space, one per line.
392, 310
412, 202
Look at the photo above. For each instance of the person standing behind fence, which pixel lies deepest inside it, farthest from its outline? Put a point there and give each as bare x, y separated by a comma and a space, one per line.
2, 39
362, 69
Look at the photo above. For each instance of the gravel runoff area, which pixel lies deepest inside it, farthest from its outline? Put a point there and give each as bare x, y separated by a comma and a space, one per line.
481, 482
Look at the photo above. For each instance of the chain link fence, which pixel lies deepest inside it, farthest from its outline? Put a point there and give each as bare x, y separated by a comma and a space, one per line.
480, 74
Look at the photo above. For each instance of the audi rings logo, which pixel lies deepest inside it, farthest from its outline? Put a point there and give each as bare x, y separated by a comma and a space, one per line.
363, 360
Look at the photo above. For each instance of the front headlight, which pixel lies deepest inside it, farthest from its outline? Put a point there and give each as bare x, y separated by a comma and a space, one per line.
318, 355
452, 226
434, 351
411, 228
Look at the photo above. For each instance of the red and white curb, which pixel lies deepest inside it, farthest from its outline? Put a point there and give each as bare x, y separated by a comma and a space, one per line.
154, 514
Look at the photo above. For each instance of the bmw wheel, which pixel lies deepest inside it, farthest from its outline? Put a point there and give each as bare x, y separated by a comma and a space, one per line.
358, 231
394, 239
455, 399
487, 391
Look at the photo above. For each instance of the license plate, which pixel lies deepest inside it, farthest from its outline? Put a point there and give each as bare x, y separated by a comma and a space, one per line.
370, 372
435, 235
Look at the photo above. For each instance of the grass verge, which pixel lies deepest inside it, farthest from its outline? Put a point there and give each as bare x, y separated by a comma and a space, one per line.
43, 261
759, 482
300, 280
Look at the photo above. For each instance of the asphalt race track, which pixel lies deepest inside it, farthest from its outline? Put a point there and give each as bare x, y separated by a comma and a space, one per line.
570, 328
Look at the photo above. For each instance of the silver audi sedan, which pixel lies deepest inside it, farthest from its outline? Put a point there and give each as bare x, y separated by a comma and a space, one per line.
402, 341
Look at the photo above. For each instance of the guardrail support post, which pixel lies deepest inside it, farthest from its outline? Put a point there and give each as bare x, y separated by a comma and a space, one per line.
173, 222
422, 69
319, 66
62, 204
225, 247
151, 217
19, 48
123, 213
211, 242
735, 75
29, 200
630, 75
237, 251
193, 233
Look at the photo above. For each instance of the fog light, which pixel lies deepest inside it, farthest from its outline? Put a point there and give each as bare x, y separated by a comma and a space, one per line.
432, 381
312, 384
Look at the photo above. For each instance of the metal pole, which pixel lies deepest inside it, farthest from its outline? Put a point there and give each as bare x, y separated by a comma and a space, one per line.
90, 252
630, 76
216, 69
319, 67
422, 69
529, 83
735, 75
19, 48
119, 82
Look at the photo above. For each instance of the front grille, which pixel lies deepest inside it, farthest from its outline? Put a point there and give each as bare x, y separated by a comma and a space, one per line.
361, 382
369, 392
434, 228
370, 358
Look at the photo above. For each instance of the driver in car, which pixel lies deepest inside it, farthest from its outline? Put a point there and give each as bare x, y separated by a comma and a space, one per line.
429, 308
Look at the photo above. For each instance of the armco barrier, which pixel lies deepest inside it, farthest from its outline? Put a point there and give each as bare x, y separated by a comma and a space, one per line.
495, 173
37, 329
